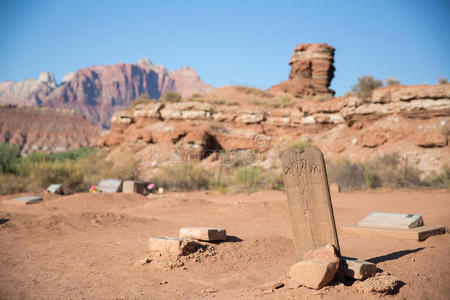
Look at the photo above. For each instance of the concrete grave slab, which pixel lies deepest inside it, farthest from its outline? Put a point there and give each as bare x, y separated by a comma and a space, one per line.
55, 189
24, 200
203, 233
391, 220
417, 233
110, 185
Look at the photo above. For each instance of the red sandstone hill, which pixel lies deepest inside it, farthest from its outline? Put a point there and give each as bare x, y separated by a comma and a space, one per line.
99, 91
43, 129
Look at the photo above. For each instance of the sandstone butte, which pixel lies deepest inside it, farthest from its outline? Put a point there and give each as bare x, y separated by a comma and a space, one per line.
98, 91
311, 71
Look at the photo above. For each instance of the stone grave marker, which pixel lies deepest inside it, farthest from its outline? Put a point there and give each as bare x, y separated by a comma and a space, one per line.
309, 201
24, 200
391, 220
139, 187
55, 189
111, 185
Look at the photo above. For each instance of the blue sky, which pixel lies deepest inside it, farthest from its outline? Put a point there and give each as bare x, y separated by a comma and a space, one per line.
228, 42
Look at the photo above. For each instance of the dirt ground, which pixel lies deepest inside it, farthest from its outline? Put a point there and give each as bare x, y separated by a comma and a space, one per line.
89, 246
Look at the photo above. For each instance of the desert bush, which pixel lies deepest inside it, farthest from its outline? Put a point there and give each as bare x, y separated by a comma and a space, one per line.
442, 80
9, 158
392, 81
365, 86
183, 177
283, 101
143, 99
394, 173
170, 97
349, 176
439, 180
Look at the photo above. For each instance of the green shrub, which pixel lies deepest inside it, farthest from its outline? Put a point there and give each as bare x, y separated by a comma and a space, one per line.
170, 97
9, 158
283, 101
349, 176
439, 180
442, 80
183, 177
143, 99
392, 81
365, 86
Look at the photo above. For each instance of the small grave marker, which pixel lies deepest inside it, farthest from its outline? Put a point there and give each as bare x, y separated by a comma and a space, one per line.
110, 185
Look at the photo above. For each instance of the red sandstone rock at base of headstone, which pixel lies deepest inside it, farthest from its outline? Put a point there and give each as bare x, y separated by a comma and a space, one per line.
314, 273
328, 252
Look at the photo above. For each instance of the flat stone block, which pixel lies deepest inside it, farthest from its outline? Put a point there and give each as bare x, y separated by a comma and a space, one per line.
24, 200
314, 273
358, 269
203, 233
418, 233
110, 185
139, 187
172, 246
391, 220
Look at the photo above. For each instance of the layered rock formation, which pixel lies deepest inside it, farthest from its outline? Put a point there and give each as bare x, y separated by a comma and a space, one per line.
97, 92
412, 120
311, 71
43, 129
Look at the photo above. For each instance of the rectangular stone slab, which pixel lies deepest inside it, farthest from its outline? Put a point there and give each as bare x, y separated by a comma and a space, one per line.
310, 207
24, 200
171, 246
111, 185
391, 220
418, 233
203, 233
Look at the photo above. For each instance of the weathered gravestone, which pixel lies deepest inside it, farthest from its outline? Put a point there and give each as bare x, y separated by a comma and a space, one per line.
110, 185
310, 207
55, 189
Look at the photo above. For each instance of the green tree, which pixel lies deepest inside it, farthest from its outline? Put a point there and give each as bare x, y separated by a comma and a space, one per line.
392, 81
365, 86
9, 158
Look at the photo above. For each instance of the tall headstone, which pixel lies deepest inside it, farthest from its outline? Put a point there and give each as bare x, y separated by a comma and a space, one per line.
310, 207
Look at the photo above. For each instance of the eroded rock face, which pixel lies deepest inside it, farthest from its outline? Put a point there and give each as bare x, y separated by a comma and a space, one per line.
311, 71
349, 126
99, 91
42, 129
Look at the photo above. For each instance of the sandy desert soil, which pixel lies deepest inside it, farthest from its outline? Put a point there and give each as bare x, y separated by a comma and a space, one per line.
89, 246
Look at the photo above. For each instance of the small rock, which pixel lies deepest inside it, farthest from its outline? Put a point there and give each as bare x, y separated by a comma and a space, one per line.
314, 273
145, 261
273, 285
163, 282
359, 269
